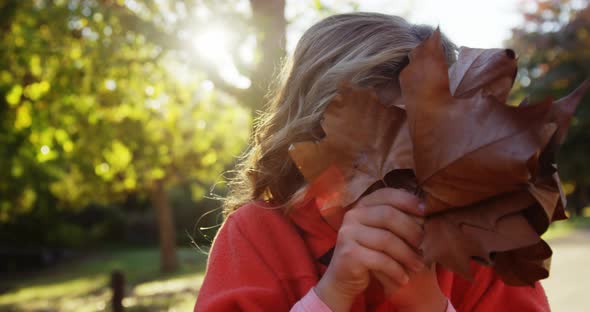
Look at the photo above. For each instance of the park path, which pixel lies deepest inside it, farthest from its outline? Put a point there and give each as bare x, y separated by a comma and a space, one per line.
568, 287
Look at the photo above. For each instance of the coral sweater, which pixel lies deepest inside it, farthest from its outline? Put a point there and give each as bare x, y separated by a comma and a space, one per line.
262, 260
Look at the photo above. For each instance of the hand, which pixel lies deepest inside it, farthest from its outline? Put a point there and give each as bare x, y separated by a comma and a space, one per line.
422, 293
379, 236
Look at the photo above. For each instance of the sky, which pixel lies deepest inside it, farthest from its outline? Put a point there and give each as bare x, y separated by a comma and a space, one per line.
472, 23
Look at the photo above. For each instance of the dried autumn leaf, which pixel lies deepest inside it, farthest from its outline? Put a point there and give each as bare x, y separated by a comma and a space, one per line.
467, 148
533, 264
455, 237
361, 143
470, 147
492, 70
564, 108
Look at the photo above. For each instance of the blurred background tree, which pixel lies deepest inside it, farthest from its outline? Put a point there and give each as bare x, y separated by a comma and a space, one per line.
111, 102
554, 43
96, 106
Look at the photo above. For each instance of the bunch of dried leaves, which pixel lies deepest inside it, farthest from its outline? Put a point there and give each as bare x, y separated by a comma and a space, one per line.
485, 169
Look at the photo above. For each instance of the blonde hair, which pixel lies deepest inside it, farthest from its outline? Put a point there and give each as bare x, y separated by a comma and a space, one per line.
367, 49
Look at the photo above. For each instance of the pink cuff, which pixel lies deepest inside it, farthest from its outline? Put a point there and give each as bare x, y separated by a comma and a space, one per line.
312, 303
450, 307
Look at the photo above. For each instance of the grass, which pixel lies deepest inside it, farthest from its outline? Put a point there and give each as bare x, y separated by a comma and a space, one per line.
82, 284
566, 227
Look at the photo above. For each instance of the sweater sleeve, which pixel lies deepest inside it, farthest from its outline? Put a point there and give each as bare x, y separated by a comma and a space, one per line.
310, 303
237, 277
450, 307
488, 293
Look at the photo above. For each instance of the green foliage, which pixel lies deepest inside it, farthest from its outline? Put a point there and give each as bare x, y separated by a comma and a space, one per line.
92, 112
554, 48
50, 228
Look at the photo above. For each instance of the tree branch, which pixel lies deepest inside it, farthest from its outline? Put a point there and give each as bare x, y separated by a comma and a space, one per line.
167, 41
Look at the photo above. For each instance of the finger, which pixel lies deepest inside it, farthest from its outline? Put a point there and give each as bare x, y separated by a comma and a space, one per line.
396, 221
377, 261
398, 198
389, 243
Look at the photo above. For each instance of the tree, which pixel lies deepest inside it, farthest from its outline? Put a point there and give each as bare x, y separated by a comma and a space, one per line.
102, 99
92, 112
554, 45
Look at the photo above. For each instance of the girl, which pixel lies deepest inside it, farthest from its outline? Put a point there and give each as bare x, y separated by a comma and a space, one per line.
275, 253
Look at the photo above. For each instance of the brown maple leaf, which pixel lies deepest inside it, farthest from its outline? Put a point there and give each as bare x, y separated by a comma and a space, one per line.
477, 232
361, 143
533, 264
481, 145
470, 148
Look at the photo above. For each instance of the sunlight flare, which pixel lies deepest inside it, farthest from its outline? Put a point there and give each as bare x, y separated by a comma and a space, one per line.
212, 44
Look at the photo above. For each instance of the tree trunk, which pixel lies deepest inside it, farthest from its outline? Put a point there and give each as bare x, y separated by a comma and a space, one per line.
167, 231
118, 290
268, 19
582, 200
